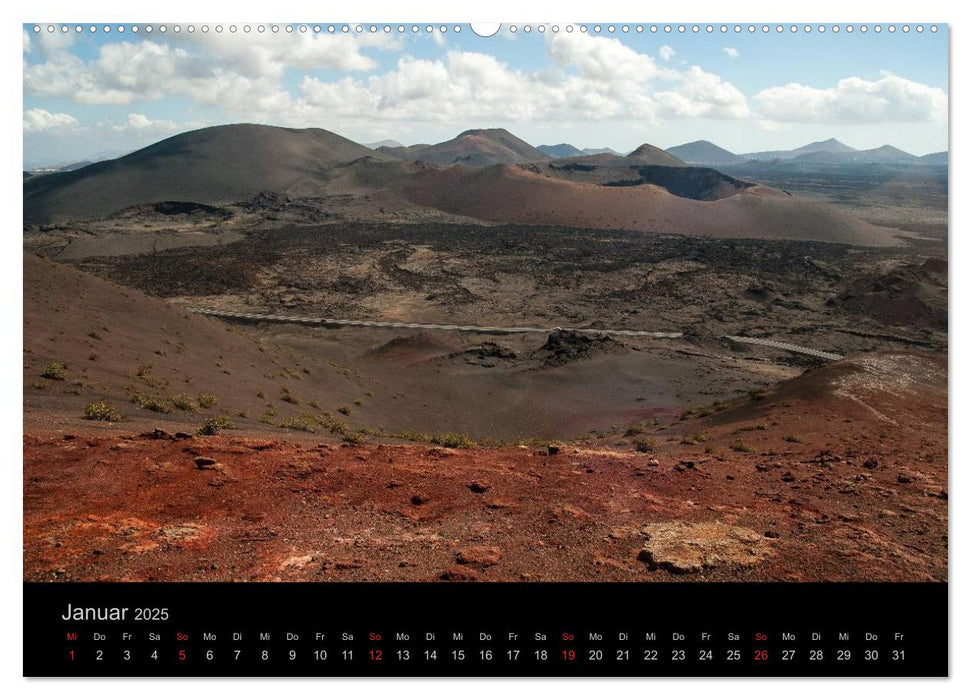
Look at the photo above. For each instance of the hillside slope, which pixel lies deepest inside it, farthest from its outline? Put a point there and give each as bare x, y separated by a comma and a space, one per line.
475, 147
515, 194
217, 165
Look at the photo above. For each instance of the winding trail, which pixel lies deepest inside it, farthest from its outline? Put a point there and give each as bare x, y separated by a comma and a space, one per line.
497, 330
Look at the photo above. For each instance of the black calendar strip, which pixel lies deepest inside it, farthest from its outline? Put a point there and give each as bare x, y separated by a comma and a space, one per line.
485, 629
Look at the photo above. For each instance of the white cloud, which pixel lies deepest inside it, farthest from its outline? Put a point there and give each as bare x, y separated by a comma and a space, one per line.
666, 52
211, 69
27, 42
41, 120
589, 78
731, 51
142, 124
891, 99
700, 94
593, 78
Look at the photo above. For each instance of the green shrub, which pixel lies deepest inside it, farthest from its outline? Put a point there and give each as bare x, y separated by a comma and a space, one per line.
453, 440
645, 445
740, 446
144, 372
633, 430
55, 370
101, 410
185, 403
306, 423
214, 424
150, 403
353, 438
207, 400
345, 409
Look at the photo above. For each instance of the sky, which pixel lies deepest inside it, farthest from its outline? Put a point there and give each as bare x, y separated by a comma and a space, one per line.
91, 95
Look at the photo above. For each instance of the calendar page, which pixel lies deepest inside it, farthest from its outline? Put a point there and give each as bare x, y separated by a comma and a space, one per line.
513, 349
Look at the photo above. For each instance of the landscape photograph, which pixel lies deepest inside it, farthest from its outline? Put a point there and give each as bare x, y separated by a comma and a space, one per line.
405, 303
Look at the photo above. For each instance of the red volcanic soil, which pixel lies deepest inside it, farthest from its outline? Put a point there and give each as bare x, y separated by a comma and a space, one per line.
509, 193
839, 474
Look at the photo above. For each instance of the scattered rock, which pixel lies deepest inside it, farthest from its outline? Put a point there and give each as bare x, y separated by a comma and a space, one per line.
904, 479
342, 564
206, 463
682, 548
564, 346
478, 487
157, 434
553, 450
459, 573
871, 463
479, 556
419, 499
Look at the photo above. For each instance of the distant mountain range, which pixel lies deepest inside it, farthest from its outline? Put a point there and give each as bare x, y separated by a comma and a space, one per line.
562, 150
483, 174
387, 143
475, 147
828, 152
704, 153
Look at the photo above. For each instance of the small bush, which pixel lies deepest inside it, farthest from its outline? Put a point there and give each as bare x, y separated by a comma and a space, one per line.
101, 410
306, 423
353, 438
144, 372
695, 439
633, 430
150, 403
345, 409
645, 445
207, 400
185, 403
55, 370
740, 446
287, 395
268, 416
454, 440
792, 438
214, 424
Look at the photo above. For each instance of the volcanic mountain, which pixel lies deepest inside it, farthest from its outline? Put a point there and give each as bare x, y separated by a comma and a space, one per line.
526, 194
648, 190
882, 154
827, 146
646, 154
599, 151
934, 158
475, 147
561, 150
217, 165
704, 153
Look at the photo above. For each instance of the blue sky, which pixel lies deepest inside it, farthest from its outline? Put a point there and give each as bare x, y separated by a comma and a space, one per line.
100, 94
